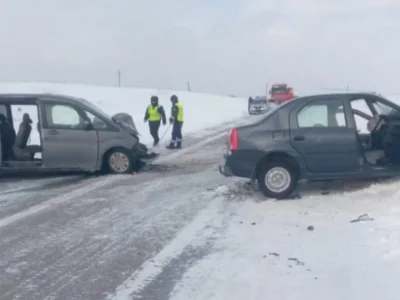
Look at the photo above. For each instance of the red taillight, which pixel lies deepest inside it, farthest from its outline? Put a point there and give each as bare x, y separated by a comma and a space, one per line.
234, 139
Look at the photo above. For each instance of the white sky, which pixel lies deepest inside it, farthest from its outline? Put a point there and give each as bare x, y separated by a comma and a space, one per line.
221, 46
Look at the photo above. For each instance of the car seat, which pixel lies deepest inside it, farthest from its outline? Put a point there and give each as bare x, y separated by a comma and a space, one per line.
21, 149
373, 149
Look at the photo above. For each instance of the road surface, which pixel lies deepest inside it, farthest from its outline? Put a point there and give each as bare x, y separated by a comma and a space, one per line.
81, 237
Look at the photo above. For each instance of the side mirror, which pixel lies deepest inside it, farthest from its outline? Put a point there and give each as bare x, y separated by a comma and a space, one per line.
87, 125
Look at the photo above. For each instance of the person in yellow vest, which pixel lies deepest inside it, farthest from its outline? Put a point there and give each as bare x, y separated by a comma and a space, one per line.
176, 120
154, 114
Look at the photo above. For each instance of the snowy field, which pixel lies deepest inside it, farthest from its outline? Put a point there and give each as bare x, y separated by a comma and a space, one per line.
201, 111
189, 233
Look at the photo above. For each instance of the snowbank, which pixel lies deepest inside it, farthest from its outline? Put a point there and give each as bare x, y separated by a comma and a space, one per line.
320, 247
201, 110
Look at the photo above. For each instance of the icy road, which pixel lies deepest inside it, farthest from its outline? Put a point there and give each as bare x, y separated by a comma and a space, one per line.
185, 232
79, 238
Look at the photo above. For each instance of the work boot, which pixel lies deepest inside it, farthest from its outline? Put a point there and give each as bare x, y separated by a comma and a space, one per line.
171, 146
179, 145
156, 141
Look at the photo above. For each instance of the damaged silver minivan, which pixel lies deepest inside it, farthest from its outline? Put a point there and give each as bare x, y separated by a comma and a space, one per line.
72, 135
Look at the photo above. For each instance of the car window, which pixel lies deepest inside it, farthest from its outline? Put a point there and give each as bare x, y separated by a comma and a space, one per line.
384, 109
361, 106
97, 123
3, 110
62, 116
341, 117
316, 114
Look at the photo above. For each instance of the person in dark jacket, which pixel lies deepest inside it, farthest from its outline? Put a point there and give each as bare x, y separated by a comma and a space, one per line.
176, 120
154, 114
8, 136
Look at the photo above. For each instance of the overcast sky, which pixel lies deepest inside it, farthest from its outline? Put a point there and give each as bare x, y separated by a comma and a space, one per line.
220, 46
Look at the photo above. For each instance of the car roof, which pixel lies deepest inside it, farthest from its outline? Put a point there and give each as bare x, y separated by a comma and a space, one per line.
331, 96
336, 94
26, 97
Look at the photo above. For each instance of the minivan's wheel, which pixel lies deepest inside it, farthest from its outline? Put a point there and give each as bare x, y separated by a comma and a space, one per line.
277, 179
120, 161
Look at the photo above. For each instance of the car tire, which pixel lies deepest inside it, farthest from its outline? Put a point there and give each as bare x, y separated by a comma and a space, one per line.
287, 179
120, 161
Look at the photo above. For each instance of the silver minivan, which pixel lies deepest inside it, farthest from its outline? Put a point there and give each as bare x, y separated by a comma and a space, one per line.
72, 135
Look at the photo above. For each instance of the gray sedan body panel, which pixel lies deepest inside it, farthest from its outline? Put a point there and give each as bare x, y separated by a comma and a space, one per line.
320, 153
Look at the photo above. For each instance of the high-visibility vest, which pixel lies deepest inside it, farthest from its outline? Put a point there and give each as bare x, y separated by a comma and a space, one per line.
179, 117
154, 115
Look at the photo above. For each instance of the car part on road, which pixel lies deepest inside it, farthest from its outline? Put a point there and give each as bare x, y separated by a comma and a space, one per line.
158, 168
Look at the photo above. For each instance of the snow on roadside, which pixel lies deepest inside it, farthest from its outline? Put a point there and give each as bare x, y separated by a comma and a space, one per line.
201, 110
321, 247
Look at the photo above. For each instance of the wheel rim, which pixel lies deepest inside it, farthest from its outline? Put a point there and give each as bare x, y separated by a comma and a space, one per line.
119, 162
278, 180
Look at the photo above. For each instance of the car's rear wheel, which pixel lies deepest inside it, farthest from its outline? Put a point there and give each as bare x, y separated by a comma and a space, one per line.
120, 161
277, 179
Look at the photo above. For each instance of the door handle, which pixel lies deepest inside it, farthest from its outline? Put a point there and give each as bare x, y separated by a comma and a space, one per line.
53, 132
299, 138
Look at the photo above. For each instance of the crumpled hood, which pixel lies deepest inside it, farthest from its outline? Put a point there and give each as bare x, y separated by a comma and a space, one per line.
126, 121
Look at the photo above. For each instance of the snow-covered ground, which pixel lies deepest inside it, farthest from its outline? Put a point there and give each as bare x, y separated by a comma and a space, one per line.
344, 246
188, 233
201, 111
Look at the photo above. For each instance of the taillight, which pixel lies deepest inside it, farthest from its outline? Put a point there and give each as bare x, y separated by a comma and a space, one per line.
234, 139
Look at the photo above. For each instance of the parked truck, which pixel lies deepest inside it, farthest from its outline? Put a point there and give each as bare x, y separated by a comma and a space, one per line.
279, 93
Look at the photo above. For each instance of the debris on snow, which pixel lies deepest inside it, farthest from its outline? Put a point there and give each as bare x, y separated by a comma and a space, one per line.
363, 217
298, 262
274, 254
233, 190
310, 228
222, 190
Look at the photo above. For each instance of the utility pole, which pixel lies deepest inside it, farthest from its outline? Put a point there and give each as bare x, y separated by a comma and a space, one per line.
188, 86
119, 78
266, 90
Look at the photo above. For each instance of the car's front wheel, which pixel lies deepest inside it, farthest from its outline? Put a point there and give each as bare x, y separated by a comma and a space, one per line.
120, 161
277, 179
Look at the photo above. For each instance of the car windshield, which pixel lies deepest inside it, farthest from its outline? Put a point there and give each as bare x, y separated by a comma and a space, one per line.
279, 90
95, 109
384, 109
259, 101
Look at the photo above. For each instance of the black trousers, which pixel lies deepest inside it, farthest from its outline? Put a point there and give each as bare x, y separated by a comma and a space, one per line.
154, 127
177, 132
